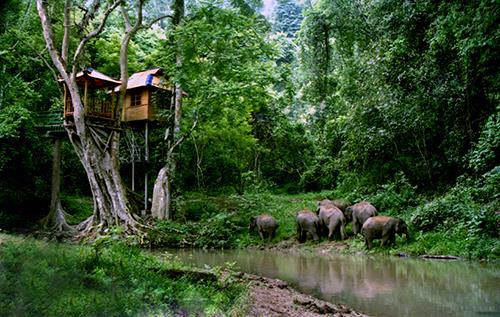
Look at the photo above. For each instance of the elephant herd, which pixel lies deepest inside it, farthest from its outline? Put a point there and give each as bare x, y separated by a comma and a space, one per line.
330, 220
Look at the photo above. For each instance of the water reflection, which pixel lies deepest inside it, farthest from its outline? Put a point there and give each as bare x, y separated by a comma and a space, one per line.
379, 286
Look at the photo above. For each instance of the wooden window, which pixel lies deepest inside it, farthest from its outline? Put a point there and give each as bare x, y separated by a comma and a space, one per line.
136, 99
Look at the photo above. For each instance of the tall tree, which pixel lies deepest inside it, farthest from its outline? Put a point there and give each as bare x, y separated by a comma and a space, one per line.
161, 206
100, 161
227, 72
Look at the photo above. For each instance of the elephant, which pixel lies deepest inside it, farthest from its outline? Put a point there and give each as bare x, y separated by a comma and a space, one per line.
385, 228
266, 226
340, 204
359, 213
331, 220
307, 222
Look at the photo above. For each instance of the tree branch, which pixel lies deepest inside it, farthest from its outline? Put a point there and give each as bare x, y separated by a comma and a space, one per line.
67, 31
94, 33
126, 19
49, 40
150, 24
129, 32
181, 139
89, 14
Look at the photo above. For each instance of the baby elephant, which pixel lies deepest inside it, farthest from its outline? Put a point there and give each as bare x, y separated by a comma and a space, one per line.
331, 220
359, 213
385, 228
266, 226
307, 223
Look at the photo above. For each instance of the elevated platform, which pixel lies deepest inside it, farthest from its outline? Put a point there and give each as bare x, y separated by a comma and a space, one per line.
51, 123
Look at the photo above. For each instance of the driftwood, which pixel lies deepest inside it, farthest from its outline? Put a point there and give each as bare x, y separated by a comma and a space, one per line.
439, 257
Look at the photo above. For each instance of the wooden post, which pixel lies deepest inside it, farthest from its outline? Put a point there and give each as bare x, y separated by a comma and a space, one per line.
133, 172
65, 100
146, 159
85, 105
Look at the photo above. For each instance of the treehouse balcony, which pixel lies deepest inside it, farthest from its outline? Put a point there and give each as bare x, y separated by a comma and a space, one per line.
95, 105
98, 96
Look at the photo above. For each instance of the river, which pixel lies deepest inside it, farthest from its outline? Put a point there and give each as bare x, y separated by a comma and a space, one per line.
375, 285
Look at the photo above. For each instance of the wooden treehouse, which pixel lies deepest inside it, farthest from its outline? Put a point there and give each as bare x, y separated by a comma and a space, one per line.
147, 93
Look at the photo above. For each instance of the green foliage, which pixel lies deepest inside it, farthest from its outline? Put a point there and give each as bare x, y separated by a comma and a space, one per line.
58, 280
227, 72
287, 16
396, 198
402, 87
466, 204
79, 207
26, 86
485, 152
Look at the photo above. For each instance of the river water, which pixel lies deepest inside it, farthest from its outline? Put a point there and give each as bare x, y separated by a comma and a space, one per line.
378, 285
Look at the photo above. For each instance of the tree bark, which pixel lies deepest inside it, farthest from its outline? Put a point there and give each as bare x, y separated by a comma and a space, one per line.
160, 207
56, 219
97, 148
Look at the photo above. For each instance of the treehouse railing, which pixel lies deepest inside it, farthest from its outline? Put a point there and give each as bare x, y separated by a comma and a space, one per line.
102, 108
95, 106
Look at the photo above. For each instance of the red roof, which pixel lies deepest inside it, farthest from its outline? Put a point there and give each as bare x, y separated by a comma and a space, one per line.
150, 77
98, 79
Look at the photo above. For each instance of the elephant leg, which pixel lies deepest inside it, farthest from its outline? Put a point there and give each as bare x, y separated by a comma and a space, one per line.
393, 240
355, 227
368, 242
322, 230
314, 235
261, 234
342, 232
384, 241
331, 229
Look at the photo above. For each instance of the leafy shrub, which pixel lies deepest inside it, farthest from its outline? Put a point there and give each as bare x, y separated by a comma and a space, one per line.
395, 197
485, 152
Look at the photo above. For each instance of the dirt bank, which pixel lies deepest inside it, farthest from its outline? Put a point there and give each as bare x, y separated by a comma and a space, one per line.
324, 248
271, 297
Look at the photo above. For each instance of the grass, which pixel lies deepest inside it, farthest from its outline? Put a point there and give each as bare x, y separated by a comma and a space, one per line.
47, 279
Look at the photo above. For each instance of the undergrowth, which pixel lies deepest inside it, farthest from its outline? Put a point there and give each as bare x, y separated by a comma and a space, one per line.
46, 279
463, 221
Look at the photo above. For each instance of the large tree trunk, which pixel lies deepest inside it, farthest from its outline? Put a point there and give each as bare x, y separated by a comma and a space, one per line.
56, 219
97, 147
161, 207
100, 160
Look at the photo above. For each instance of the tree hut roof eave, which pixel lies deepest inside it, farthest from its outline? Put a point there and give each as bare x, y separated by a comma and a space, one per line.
98, 79
147, 78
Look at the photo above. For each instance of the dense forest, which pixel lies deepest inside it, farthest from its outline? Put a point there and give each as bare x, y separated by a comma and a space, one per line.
395, 102
273, 106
